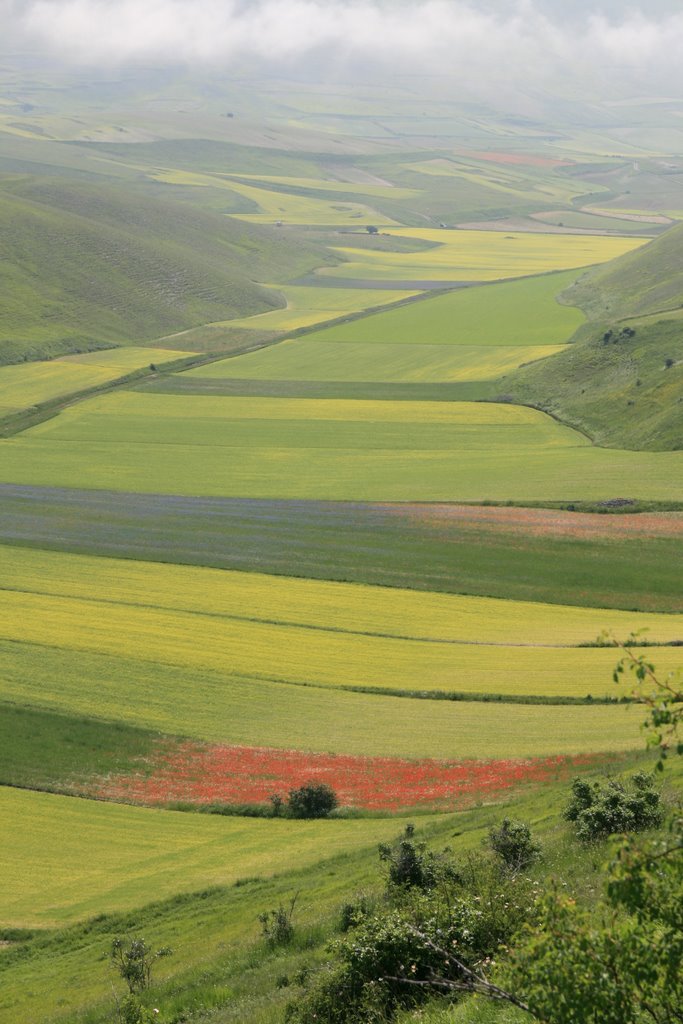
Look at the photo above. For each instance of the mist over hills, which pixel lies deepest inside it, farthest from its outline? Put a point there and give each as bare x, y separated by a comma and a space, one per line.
584, 49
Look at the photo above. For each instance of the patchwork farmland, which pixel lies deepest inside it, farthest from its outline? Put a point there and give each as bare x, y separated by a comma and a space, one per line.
292, 491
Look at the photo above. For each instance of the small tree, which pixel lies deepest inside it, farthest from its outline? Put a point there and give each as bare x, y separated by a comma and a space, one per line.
133, 959
372, 230
313, 800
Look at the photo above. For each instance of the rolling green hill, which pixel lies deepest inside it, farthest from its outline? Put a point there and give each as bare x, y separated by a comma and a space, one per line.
621, 382
86, 265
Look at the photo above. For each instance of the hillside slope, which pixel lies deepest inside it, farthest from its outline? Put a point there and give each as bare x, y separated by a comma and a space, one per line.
621, 382
84, 265
642, 282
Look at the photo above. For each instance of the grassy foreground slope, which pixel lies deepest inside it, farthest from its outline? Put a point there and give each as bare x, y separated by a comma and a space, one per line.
622, 380
220, 969
84, 265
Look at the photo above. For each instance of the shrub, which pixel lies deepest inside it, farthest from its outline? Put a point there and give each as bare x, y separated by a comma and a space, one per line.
411, 865
512, 842
131, 1011
601, 811
313, 800
353, 913
276, 803
277, 927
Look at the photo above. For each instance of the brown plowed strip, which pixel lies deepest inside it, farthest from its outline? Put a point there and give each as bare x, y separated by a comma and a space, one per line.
543, 522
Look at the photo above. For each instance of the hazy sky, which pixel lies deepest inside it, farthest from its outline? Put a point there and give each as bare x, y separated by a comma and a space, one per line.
486, 39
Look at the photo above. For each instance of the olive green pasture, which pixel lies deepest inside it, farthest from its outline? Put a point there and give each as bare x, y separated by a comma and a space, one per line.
61, 753
25, 384
213, 705
513, 313
329, 449
125, 854
308, 305
308, 359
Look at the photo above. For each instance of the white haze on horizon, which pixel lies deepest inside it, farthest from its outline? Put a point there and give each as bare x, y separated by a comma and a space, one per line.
502, 40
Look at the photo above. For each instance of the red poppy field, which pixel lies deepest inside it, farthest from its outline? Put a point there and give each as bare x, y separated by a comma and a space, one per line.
205, 774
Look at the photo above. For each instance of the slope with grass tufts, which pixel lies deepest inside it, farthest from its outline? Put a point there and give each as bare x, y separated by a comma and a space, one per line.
84, 265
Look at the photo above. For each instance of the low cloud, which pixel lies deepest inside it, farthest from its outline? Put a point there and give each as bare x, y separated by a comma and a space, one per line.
496, 41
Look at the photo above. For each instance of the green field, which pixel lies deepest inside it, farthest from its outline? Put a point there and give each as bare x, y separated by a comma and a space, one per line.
270, 639
359, 450
212, 705
515, 313
344, 608
326, 185
473, 334
306, 359
273, 207
126, 853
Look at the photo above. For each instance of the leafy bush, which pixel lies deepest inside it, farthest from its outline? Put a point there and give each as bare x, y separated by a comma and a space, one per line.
601, 811
512, 842
313, 800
